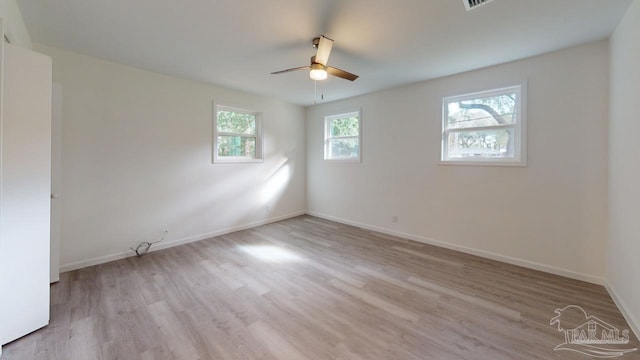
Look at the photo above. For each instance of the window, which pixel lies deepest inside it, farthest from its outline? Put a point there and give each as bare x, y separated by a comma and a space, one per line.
237, 135
485, 128
342, 137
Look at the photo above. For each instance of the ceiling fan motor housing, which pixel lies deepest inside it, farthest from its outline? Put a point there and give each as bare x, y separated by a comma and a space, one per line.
318, 66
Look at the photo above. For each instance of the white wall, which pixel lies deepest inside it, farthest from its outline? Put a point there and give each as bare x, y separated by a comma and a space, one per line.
136, 152
623, 250
549, 215
14, 26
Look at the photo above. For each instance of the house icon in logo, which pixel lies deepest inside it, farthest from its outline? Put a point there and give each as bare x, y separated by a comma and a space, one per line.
593, 336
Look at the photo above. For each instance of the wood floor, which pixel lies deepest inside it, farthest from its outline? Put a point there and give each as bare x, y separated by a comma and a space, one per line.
307, 288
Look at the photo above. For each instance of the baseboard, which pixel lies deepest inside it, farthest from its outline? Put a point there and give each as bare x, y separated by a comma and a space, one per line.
481, 253
439, 243
634, 324
168, 244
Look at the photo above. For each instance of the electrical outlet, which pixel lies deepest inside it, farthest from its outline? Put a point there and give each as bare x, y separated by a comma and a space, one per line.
394, 219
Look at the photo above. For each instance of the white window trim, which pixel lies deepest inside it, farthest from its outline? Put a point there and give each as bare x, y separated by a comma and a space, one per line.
520, 129
327, 121
259, 142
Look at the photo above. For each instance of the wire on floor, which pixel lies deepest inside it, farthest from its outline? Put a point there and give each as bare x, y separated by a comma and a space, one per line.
144, 247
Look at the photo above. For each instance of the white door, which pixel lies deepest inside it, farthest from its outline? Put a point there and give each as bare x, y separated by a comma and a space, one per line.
26, 188
56, 181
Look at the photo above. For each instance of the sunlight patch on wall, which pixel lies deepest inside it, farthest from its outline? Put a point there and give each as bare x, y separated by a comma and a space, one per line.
276, 183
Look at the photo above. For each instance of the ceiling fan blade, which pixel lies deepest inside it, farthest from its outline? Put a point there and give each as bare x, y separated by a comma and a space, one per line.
289, 70
324, 50
341, 73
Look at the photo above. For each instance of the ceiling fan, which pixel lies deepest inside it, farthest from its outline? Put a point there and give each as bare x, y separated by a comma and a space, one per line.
318, 68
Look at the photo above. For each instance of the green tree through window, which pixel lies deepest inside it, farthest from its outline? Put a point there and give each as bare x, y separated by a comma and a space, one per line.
484, 126
237, 134
342, 136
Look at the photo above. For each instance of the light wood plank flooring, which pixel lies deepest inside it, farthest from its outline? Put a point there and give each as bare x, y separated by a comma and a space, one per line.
307, 288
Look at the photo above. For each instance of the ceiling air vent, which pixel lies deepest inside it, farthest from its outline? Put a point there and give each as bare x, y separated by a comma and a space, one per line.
472, 4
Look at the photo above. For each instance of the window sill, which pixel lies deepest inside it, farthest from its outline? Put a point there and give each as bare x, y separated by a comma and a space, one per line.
237, 161
484, 163
353, 161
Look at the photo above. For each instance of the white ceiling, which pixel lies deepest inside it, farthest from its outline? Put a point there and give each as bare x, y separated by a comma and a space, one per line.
237, 43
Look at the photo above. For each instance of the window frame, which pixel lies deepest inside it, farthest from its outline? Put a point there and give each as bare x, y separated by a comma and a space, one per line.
327, 137
519, 128
258, 136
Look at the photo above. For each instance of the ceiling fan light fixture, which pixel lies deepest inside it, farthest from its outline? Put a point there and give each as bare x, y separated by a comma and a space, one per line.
318, 72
